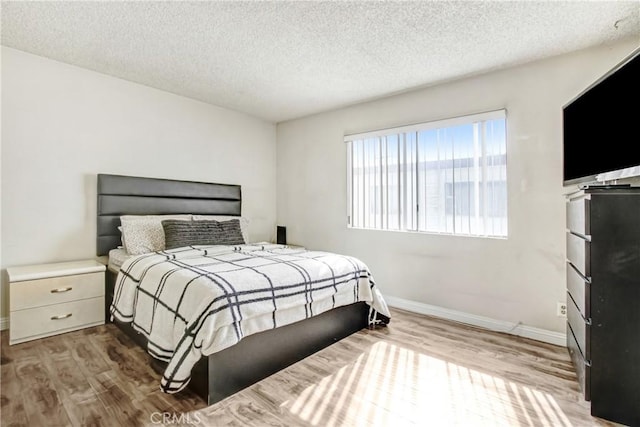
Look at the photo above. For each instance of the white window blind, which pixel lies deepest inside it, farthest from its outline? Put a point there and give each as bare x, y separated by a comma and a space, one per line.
448, 176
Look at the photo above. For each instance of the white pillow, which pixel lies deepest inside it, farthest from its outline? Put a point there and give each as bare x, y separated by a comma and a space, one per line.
244, 222
142, 234
122, 245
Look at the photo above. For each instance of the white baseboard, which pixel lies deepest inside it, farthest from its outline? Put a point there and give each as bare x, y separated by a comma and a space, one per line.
551, 337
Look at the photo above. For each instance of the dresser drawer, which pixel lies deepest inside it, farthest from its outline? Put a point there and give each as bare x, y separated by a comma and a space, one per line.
583, 368
578, 219
55, 290
53, 319
580, 327
579, 253
578, 288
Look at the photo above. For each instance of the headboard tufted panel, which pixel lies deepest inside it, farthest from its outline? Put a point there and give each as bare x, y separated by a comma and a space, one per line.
130, 195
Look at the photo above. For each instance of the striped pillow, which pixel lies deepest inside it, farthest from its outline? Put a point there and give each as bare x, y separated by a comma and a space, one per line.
191, 233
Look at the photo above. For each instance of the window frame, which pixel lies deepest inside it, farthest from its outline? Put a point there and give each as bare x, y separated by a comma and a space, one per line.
420, 127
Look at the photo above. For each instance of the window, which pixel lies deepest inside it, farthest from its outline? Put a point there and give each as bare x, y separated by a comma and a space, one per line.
448, 176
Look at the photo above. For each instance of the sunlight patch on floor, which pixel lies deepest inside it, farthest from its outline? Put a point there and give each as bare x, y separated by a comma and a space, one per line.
392, 385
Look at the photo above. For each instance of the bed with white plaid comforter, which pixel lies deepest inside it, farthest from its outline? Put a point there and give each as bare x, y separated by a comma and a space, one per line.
194, 301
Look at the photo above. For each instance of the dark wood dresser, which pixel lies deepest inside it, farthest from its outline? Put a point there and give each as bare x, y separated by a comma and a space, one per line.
603, 299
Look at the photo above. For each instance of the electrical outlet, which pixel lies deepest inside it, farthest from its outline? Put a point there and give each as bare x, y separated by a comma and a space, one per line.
561, 311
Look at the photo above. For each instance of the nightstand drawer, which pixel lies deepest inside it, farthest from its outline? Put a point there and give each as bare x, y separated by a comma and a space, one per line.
55, 290
53, 319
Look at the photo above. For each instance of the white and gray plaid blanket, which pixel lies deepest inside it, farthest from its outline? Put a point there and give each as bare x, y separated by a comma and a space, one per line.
194, 301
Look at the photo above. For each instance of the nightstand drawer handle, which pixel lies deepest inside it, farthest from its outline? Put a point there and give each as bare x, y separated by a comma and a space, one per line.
60, 290
62, 316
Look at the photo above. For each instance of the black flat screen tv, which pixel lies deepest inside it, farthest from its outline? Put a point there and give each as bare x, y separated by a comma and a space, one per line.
601, 126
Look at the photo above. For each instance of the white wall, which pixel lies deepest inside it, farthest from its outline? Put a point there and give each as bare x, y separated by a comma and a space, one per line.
2, 294
62, 125
519, 279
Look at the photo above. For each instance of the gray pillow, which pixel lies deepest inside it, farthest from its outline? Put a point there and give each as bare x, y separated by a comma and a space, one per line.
190, 233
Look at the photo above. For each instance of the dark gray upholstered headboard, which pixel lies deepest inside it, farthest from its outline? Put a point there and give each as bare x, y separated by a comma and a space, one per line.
131, 195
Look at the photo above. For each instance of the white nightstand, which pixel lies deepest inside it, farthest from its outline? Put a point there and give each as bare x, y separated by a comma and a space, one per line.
50, 299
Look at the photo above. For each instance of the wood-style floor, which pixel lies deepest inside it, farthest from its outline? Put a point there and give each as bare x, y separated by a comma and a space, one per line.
418, 371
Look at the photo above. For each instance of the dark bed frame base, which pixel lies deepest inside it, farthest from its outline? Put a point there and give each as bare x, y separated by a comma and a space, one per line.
255, 357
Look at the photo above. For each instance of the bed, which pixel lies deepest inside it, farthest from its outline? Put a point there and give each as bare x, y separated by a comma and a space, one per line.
251, 357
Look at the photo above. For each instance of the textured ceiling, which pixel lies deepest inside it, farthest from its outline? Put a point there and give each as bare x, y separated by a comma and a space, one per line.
286, 59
